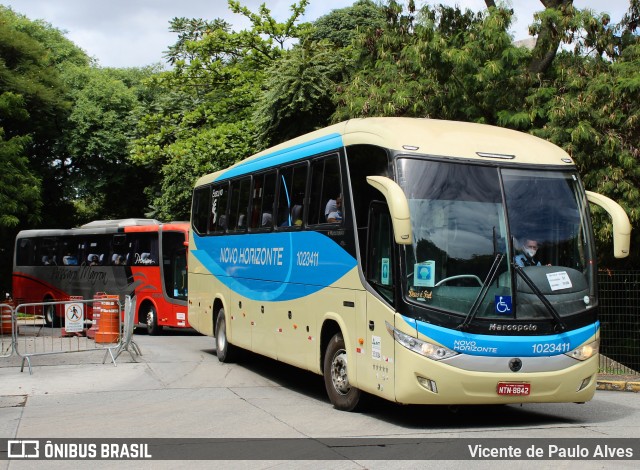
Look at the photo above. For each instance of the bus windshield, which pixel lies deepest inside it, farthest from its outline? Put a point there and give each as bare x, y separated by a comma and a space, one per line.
479, 230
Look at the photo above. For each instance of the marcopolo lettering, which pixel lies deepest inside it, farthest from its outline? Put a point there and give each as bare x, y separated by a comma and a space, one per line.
507, 327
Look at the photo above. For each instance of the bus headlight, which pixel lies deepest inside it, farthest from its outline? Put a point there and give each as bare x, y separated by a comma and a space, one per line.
424, 348
584, 352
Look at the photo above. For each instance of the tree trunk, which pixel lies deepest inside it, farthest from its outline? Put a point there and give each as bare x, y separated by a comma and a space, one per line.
548, 40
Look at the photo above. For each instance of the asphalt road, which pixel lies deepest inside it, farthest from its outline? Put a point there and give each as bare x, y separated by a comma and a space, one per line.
179, 390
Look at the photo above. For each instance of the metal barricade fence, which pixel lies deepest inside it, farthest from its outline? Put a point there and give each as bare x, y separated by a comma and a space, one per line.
6, 330
69, 332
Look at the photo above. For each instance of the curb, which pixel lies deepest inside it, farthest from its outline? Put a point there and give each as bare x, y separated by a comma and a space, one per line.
618, 385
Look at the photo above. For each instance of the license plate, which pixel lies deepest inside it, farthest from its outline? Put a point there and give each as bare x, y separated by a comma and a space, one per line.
513, 389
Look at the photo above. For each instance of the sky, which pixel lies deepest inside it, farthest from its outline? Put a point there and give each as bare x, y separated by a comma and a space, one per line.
135, 33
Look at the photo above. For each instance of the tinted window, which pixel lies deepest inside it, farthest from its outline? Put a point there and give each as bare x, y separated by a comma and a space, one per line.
219, 198
238, 204
264, 189
325, 189
293, 182
200, 209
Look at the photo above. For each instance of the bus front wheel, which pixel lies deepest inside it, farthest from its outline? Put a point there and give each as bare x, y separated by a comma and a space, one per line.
152, 322
225, 351
342, 395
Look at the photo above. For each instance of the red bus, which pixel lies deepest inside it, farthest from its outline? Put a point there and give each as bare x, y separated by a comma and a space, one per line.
140, 257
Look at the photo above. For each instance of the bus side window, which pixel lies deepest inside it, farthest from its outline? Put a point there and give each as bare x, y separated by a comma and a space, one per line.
239, 204
256, 201
200, 209
293, 183
363, 161
218, 209
379, 251
23, 250
325, 187
262, 203
46, 251
268, 200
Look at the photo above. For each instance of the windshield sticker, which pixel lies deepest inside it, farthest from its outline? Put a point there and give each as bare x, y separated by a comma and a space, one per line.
423, 274
384, 269
503, 304
425, 294
559, 280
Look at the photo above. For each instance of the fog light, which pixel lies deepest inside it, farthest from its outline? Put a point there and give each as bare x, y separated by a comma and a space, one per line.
428, 384
584, 383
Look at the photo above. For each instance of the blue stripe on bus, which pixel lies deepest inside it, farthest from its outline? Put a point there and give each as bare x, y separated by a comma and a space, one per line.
281, 157
274, 266
505, 345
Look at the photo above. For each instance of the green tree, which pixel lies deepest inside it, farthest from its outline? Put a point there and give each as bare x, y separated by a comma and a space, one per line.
33, 106
441, 62
99, 178
299, 88
19, 187
341, 26
298, 91
438, 62
592, 110
200, 119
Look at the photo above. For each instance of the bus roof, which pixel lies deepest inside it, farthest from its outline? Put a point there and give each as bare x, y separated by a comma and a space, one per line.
120, 223
450, 139
109, 227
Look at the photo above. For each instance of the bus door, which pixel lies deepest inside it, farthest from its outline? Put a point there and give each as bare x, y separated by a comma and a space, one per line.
376, 370
174, 260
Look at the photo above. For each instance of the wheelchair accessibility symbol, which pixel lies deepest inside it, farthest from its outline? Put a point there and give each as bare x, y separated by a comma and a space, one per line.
503, 304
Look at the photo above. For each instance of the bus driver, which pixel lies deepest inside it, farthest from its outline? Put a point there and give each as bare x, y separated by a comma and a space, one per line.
528, 255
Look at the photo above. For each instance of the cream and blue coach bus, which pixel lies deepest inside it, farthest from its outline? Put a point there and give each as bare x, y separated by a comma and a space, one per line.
386, 254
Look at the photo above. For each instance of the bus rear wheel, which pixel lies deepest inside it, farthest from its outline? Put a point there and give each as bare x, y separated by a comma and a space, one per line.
50, 317
152, 321
343, 396
226, 352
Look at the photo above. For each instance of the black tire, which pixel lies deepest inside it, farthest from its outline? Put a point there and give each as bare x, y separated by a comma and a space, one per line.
153, 328
225, 351
50, 317
343, 396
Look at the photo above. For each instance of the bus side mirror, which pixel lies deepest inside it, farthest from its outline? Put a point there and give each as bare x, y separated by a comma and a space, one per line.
621, 225
398, 207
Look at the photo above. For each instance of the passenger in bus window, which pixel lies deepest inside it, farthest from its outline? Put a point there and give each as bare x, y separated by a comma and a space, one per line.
332, 205
296, 212
69, 260
222, 223
336, 214
267, 219
93, 260
528, 255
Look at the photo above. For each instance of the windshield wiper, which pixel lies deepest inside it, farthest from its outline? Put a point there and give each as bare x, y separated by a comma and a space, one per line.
483, 292
541, 296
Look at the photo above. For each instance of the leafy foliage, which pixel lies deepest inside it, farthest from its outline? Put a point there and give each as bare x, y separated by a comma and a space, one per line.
442, 62
298, 92
81, 142
340, 27
202, 112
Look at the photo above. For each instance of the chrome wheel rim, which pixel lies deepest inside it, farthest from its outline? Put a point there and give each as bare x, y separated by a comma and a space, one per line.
339, 372
221, 336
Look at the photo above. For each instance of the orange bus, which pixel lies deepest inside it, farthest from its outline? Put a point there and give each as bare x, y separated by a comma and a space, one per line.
140, 257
